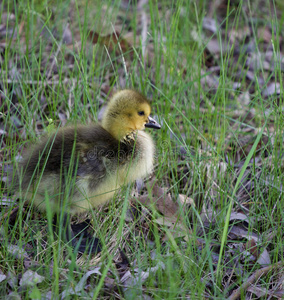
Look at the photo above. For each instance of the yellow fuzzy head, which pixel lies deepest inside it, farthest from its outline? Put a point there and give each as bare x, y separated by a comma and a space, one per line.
127, 112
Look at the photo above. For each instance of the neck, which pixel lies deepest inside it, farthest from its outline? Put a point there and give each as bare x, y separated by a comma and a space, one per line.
130, 137
117, 134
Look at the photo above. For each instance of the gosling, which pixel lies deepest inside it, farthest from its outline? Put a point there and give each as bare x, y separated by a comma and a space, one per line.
81, 167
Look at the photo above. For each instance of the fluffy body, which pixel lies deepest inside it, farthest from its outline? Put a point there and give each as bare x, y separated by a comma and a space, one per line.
80, 167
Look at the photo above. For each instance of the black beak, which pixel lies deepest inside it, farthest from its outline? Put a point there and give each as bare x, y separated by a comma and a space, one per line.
152, 124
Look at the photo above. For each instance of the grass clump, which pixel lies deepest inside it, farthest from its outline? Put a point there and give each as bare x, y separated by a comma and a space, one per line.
214, 74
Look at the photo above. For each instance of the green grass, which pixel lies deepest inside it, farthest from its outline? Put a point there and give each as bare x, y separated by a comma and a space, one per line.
45, 82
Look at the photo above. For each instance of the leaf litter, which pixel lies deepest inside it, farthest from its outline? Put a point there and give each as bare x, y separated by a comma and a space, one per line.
250, 247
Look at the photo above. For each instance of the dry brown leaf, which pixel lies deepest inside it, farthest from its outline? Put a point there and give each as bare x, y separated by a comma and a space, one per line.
138, 277
2, 276
129, 38
244, 98
31, 278
264, 258
259, 292
161, 200
175, 226
81, 285
210, 24
251, 246
164, 202
239, 34
213, 46
239, 217
239, 233
252, 279
271, 89
113, 41
264, 34
184, 200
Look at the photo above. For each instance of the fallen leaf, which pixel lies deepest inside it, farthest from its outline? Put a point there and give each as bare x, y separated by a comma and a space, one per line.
271, 89
175, 226
161, 199
264, 34
31, 278
14, 296
239, 233
184, 200
213, 46
67, 35
210, 24
239, 34
80, 285
135, 280
244, 98
259, 292
17, 252
113, 42
239, 216
264, 258
251, 246
164, 202
2, 277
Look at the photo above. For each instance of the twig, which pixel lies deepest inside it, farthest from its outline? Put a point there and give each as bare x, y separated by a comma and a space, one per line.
41, 83
144, 28
253, 278
123, 60
54, 61
69, 101
280, 282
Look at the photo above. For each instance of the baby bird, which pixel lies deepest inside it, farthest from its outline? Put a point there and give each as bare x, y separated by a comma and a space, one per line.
80, 167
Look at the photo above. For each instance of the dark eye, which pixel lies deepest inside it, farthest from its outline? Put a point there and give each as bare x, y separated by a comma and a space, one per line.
141, 113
